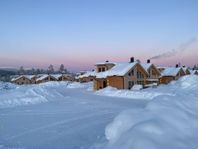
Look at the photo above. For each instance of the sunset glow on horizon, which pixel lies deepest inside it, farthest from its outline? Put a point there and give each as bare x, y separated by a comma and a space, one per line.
78, 34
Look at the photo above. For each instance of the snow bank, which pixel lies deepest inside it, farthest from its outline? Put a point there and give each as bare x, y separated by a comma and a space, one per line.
80, 85
7, 86
166, 122
31, 94
146, 94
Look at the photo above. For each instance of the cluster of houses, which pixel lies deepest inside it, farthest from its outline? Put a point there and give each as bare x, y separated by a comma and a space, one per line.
118, 75
41, 78
127, 74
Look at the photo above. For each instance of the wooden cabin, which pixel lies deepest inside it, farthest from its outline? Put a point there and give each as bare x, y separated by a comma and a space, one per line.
170, 74
21, 80
32, 78
186, 70
45, 78
194, 72
63, 77
121, 76
153, 72
86, 77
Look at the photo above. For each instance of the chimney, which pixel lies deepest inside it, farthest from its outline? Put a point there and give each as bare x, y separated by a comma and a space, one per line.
132, 60
148, 61
107, 61
176, 65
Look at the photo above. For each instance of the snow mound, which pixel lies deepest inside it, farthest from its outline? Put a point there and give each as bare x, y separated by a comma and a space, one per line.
74, 85
166, 122
32, 94
133, 94
7, 86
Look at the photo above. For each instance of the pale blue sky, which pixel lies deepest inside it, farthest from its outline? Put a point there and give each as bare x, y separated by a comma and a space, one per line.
78, 33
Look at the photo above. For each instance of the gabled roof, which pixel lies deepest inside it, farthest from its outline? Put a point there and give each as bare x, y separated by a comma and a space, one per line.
30, 76
171, 71
104, 63
42, 77
25, 76
120, 69
148, 65
57, 76
88, 74
193, 71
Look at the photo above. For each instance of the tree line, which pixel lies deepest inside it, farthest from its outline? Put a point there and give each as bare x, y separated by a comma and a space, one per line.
49, 70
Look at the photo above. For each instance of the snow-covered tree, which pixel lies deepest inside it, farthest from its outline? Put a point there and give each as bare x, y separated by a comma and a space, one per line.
50, 69
62, 68
21, 70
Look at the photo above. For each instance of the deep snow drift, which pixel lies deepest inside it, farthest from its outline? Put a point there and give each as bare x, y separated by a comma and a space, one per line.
12, 95
70, 115
168, 121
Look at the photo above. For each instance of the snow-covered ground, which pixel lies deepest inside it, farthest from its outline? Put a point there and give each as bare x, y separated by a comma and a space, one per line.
70, 115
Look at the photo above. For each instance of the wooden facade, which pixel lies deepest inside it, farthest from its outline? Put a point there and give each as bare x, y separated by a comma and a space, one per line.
154, 75
168, 78
22, 80
136, 75
86, 79
45, 78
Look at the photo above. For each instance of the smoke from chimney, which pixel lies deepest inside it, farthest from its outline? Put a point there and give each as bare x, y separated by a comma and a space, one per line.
174, 52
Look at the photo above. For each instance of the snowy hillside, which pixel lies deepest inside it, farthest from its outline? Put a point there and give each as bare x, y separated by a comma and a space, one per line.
168, 121
62, 115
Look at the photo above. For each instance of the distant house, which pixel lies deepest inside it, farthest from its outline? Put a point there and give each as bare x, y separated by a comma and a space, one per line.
186, 70
195, 72
45, 78
119, 75
153, 72
63, 77
21, 80
86, 77
32, 78
171, 73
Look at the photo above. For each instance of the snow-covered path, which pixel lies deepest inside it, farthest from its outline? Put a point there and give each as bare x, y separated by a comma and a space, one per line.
78, 120
59, 115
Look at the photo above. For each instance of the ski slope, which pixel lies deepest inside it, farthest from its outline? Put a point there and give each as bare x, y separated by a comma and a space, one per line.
70, 115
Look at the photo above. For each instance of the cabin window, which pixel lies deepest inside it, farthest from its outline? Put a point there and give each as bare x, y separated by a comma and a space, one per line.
103, 69
140, 75
99, 69
132, 73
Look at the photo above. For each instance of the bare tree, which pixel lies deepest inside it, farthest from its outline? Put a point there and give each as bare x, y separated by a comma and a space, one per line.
50, 69
62, 68
21, 70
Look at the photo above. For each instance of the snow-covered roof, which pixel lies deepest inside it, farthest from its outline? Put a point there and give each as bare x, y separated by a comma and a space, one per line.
185, 69
170, 71
42, 77
146, 66
105, 63
21, 76
120, 69
29, 76
87, 74
57, 76
193, 71
16, 78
